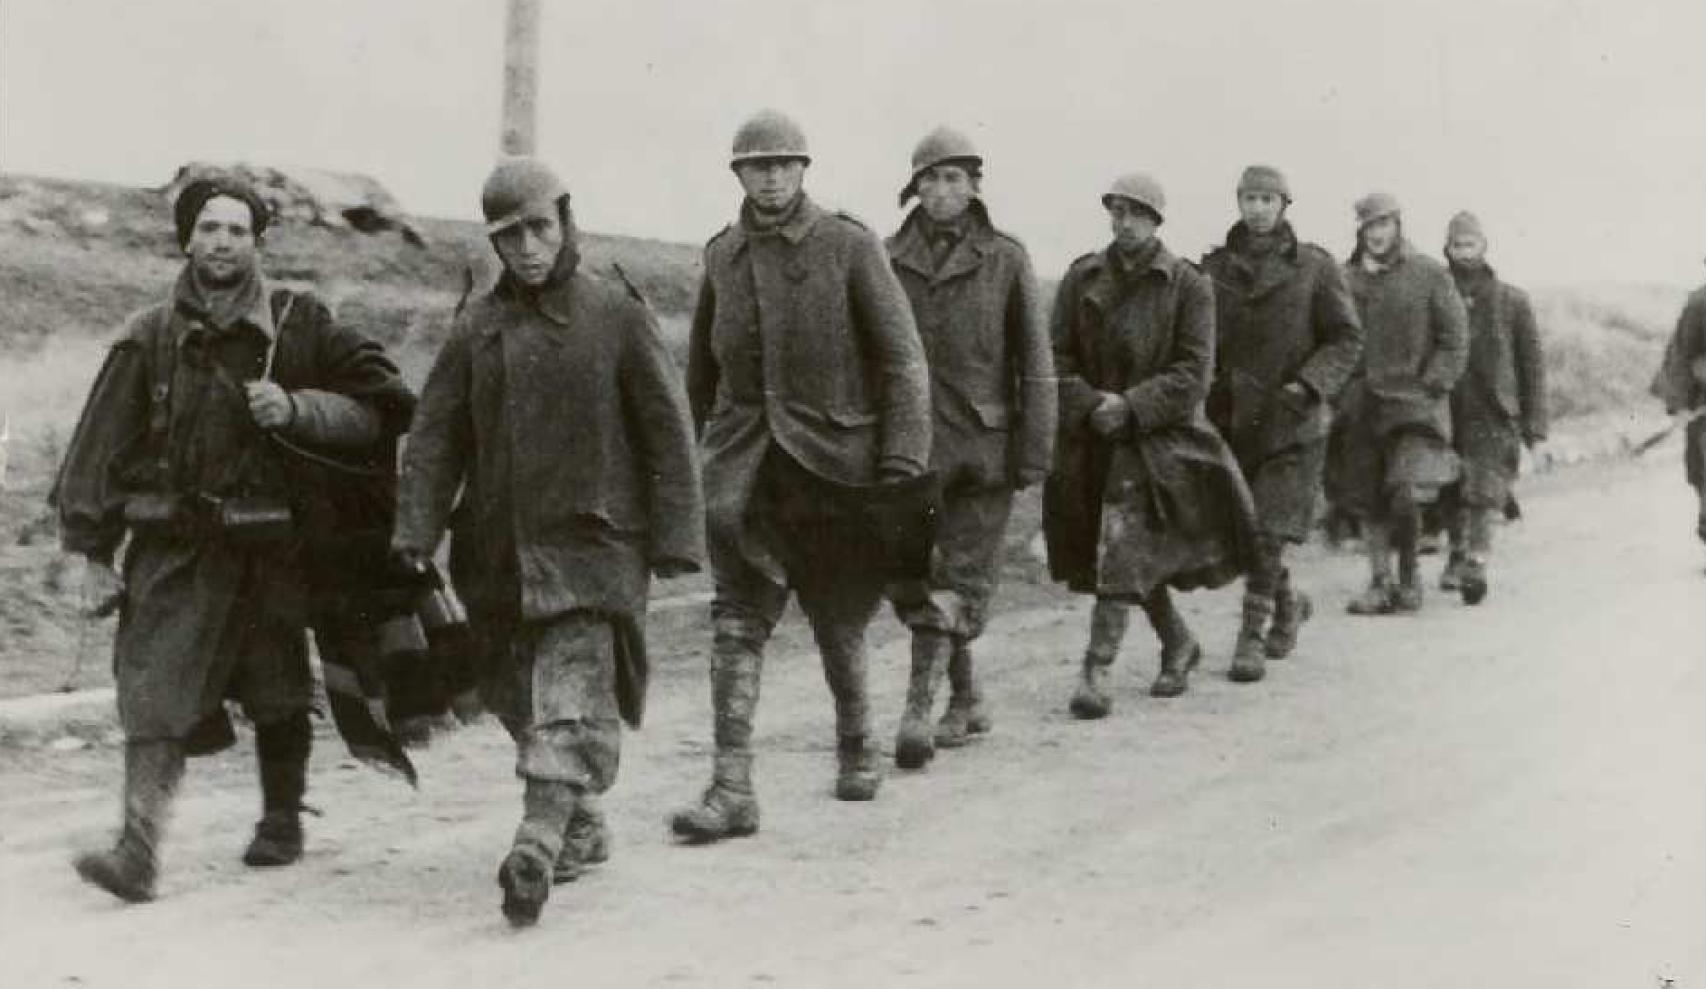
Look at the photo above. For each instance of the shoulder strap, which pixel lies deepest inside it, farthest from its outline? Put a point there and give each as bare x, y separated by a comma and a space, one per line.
280, 318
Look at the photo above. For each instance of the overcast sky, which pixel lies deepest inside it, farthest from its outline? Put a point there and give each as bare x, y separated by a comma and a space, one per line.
1576, 129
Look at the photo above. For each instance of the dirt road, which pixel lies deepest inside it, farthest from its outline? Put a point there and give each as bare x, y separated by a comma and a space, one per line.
1508, 795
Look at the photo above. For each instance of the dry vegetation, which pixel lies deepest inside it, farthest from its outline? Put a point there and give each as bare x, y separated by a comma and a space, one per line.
76, 257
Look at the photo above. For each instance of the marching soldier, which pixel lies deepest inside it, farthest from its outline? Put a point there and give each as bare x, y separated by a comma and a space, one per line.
1287, 340
184, 446
1145, 495
1394, 451
1681, 385
808, 385
556, 411
993, 394
1498, 406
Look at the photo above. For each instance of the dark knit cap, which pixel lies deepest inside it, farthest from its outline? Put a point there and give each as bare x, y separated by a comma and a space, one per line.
212, 185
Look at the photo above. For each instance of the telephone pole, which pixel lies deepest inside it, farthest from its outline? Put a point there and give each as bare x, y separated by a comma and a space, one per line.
521, 78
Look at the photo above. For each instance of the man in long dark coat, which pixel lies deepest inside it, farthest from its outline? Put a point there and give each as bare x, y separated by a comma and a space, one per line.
1394, 451
1145, 495
1681, 385
555, 409
992, 391
1287, 339
184, 447
1497, 408
808, 384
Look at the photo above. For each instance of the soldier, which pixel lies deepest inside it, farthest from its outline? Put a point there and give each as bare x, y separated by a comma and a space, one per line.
555, 409
184, 447
1394, 451
808, 383
1498, 406
993, 393
1681, 385
1287, 341
1145, 494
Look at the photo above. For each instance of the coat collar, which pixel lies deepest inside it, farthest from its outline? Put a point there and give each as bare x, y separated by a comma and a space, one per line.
794, 230
910, 248
1103, 283
1265, 278
258, 315
1162, 262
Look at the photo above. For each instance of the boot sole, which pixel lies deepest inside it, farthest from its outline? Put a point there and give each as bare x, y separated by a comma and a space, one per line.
1239, 674
692, 834
913, 753
1088, 710
1474, 591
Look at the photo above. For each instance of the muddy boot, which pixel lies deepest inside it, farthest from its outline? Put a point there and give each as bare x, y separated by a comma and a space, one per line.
152, 771
283, 751
1091, 701
915, 745
1292, 608
1406, 532
857, 775
1249, 654
1452, 577
1474, 587
728, 809
966, 715
1180, 653
525, 876
586, 841
1380, 597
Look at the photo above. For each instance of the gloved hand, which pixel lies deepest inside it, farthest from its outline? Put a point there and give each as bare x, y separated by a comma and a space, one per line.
103, 590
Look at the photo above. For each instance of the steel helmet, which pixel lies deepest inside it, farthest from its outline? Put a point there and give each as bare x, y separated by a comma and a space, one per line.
515, 185
1140, 188
1376, 206
939, 147
1264, 178
769, 134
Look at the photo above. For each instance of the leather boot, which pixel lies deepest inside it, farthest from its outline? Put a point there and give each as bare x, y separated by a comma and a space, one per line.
1091, 700
1381, 596
1250, 652
857, 776
1180, 652
915, 744
728, 808
586, 841
152, 771
283, 750
1451, 579
966, 715
525, 876
1292, 608
1474, 586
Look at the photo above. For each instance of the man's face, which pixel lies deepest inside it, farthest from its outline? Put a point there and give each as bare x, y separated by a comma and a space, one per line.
529, 247
1260, 210
771, 183
223, 245
946, 191
1381, 236
1466, 248
1133, 225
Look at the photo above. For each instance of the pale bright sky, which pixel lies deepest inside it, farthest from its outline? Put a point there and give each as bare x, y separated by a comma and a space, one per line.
1576, 128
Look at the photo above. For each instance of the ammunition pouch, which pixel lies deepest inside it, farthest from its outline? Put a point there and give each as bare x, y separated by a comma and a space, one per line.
247, 520
157, 514
253, 519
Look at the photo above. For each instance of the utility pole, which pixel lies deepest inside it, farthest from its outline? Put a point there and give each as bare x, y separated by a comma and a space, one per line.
521, 78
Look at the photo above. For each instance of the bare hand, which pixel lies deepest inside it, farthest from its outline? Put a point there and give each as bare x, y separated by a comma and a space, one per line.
103, 590
269, 404
1111, 416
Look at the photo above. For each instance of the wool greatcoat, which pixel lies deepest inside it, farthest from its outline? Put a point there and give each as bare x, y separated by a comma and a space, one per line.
1500, 402
1394, 425
1681, 384
1285, 319
802, 340
1161, 503
560, 419
993, 395
206, 616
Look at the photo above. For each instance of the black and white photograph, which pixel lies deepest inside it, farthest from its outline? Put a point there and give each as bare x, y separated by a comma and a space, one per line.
909, 493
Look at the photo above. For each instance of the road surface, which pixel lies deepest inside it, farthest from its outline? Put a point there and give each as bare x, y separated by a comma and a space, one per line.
1511, 795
